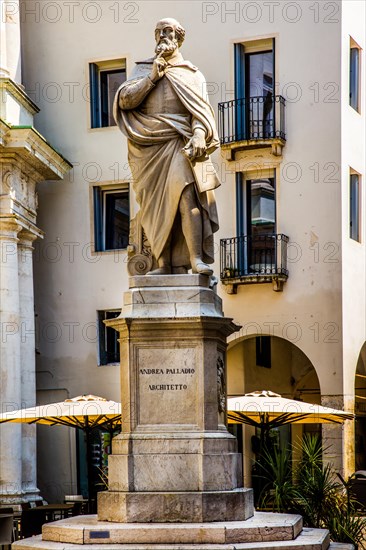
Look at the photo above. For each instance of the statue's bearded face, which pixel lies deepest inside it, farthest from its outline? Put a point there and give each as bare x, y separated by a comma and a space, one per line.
166, 40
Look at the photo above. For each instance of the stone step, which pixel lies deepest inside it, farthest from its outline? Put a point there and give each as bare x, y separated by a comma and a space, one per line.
259, 528
341, 546
309, 539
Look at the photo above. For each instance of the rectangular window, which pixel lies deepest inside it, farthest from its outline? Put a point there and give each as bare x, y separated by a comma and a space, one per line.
263, 351
107, 339
261, 206
105, 79
256, 220
254, 89
354, 78
111, 218
354, 210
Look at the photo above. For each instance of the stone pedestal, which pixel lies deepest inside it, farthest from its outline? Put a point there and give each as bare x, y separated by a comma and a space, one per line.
175, 460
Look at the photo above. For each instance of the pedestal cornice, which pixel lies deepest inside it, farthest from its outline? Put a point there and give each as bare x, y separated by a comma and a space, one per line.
194, 327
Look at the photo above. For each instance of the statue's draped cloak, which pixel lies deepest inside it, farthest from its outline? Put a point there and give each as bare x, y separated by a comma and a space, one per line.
159, 169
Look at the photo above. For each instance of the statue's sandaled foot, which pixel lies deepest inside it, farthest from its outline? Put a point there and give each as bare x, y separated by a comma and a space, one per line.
198, 266
160, 271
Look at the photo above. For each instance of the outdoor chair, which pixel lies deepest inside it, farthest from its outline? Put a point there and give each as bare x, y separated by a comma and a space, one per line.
7, 529
79, 502
77, 509
73, 498
31, 523
16, 521
358, 489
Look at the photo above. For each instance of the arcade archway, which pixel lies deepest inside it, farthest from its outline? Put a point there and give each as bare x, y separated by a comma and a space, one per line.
270, 363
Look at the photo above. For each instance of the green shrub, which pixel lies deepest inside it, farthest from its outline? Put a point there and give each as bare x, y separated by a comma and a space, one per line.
275, 468
310, 489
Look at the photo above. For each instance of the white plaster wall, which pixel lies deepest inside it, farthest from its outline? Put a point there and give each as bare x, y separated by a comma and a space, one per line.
13, 112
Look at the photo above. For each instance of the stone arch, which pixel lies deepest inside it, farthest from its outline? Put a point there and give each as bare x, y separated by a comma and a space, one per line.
290, 373
291, 332
360, 410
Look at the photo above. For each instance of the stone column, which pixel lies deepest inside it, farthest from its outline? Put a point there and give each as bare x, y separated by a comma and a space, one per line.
10, 388
27, 361
340, 438
10, 60
349, 450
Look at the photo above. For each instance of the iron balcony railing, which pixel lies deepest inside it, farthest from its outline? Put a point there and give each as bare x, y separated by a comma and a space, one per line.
248, 256
252, 118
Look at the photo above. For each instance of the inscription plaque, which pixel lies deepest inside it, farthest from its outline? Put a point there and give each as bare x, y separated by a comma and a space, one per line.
99, 534
167, 393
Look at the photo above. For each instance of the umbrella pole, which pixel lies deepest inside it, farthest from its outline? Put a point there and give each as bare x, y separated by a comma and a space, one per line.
263, 434
89, 468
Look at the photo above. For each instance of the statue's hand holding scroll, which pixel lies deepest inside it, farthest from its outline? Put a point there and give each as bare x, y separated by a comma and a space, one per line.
196, 146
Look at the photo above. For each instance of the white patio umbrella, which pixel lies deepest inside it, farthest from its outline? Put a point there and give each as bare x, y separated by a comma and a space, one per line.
85, 412
266, 409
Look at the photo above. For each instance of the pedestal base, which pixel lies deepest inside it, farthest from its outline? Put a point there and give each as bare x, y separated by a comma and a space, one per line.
200, 506
263, 531
158, 462
262, 527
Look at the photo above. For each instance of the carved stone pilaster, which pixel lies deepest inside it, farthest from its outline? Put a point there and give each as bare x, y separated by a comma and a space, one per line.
27, 360
10, 390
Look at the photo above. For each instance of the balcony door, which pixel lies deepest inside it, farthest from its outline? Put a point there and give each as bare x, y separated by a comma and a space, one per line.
259, 83
254, 90
256, 223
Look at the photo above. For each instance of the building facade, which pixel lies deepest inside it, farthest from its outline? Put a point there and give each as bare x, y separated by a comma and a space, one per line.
286, 80
26, 158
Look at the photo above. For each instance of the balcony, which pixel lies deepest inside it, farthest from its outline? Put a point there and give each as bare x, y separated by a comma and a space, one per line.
252, 122
252, 260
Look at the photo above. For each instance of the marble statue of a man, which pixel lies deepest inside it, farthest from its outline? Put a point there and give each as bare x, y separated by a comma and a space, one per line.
164, 112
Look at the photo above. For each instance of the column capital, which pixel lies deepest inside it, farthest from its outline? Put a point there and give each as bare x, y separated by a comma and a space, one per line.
9, 228
26, 239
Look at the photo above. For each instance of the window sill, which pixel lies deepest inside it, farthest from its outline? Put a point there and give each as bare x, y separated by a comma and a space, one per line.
275, 144
113, 251
92, 130
277, 280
